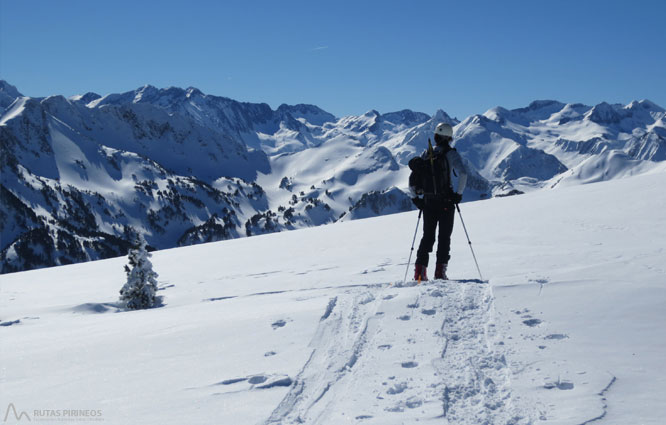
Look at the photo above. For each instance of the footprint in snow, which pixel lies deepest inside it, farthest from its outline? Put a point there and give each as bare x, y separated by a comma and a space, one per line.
413, 403
261, 381
232, 381
556, 336
532, 322
397, 388
367, 299
264, 382
429, 312
409, 365
405, 317
541, 281
560, 385
283, 381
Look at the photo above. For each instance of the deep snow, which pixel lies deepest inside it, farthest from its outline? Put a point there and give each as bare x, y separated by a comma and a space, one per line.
316, 325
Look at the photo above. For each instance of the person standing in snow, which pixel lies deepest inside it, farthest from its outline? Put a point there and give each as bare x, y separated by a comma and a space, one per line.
431, 184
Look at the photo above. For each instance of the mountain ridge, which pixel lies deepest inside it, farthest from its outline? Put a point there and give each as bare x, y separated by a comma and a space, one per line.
183, 167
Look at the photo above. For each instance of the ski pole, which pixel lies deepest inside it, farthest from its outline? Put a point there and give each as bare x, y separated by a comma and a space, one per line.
469, 242
412, 250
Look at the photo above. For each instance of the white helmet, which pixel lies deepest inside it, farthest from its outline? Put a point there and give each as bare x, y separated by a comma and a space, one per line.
444, 129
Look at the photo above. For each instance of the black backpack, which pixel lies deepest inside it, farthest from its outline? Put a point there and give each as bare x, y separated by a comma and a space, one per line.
431, 178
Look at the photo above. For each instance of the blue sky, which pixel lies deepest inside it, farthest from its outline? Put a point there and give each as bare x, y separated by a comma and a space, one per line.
344, 56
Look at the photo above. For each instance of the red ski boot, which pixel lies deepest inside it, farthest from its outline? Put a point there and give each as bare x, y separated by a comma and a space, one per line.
440, 271
420, 273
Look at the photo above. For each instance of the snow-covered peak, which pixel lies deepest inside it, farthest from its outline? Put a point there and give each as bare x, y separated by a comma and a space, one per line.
441, 116
193, 91
406, 117
570, 112
58, 105
85, 98
145, 93
498, 114
8, 94
644, 105
538, 110
9, 90
310, 113
540, 105
113, 99
361, 123
472, 120
603, 113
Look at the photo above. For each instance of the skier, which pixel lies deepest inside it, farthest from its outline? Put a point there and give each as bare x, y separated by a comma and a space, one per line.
431, 182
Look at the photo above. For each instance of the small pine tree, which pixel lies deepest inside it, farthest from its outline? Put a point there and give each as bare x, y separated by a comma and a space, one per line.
141, 288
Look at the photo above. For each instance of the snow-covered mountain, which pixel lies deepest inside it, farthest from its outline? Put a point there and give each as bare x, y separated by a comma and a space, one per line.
550, 143
80, 174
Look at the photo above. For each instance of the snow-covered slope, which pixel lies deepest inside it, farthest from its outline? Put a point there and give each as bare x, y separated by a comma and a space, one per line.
316, 327
79, 174
76, 179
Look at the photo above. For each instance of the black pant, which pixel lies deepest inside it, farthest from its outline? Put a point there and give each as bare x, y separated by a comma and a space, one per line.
442, 214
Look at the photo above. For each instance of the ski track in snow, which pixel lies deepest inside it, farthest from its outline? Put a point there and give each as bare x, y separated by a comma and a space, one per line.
602, 394
449, 334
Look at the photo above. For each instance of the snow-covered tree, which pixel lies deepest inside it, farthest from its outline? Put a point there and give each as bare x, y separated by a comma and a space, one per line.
141, 287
